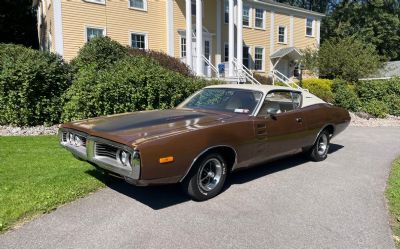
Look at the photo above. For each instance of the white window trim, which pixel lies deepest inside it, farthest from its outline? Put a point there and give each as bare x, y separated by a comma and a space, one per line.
135, 8
263, 19
312, 27
263, 59
94, 27
146, 38
102, 2
250, 16
180, 46
202, 2
285, 37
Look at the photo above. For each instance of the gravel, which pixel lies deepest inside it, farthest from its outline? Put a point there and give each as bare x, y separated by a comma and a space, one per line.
357, 119
28, 131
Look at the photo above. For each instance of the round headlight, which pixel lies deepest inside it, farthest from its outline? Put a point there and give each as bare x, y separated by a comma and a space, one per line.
78, 141
125, 158
71, 138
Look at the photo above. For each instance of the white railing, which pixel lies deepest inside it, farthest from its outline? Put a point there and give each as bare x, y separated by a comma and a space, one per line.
213, 68
243, 72
284, 79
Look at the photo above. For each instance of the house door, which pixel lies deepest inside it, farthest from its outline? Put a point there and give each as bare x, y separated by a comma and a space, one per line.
283, 67
206, 52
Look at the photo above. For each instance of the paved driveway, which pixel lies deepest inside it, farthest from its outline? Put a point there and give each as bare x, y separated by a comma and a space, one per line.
292, 203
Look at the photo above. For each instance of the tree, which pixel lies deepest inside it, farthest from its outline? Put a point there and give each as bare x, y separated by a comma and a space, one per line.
347, 58
375, 21
18, 23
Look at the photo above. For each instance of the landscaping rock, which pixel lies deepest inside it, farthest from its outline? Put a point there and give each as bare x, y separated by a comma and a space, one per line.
28, 131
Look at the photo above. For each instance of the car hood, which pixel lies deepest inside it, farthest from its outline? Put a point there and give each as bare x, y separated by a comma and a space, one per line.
136, 127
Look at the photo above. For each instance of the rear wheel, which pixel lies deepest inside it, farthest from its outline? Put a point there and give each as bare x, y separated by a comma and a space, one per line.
207, 178
320, 149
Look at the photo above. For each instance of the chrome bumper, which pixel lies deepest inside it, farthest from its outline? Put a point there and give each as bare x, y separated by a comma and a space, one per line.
88, 152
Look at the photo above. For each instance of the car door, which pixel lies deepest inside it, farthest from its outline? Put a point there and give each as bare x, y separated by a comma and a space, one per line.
279, 127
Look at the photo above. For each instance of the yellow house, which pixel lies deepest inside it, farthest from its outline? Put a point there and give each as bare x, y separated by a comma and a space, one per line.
266, 37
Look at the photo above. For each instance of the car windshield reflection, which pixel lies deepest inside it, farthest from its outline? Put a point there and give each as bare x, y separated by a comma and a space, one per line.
224, 99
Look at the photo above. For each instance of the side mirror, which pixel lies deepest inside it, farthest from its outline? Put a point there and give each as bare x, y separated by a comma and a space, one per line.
271, 112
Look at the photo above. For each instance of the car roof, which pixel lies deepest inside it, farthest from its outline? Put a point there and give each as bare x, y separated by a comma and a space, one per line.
308, 98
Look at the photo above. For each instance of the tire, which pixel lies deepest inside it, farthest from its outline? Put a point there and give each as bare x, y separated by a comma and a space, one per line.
207, 178
319, 151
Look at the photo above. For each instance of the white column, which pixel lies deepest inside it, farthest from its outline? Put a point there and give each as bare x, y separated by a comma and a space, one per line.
199, 38
291, 42
231, 38
318, 31
170, 27
272, 37
58, 27
189, 56
218, 56
239, 26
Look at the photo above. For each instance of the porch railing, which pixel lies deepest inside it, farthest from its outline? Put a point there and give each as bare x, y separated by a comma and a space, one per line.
244, 72
284, 79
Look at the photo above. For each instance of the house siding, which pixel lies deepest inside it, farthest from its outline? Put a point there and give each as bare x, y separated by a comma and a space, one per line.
118, 21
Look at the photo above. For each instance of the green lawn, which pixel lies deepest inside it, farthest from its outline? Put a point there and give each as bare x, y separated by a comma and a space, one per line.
393, 196
37, 175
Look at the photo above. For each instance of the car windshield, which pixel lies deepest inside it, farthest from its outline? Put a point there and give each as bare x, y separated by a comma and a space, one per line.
224, 99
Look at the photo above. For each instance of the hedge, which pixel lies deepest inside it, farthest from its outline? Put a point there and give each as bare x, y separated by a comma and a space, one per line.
31, 85
131, 84
320, 87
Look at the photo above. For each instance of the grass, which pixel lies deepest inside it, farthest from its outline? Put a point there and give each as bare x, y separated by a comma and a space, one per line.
393, 197
37, 176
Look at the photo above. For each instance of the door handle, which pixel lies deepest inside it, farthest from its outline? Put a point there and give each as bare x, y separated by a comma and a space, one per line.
299, 120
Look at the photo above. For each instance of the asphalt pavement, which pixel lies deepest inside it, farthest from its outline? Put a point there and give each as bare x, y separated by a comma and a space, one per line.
290, 203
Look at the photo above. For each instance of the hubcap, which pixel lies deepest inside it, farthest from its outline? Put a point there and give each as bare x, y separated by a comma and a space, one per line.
322, 144
210, 174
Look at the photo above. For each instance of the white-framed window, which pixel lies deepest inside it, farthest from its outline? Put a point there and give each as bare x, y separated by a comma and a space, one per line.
282, 34
226, 52
96, 1
183, 47
259, 58
246, 56
226, 11
309, 26
259, 21
246, 16
93, 32
138, 4
139, 40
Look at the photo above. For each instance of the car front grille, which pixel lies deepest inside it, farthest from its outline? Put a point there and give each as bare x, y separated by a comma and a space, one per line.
106, 150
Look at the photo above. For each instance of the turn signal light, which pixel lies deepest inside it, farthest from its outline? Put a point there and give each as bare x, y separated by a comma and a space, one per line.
167, 159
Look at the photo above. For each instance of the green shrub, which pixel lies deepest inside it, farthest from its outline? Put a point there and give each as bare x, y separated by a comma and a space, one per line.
166, 61
345, 95
347, 58
31, 86
374, 89
376, 108
100, 51
393, 103
131, 84
320, 87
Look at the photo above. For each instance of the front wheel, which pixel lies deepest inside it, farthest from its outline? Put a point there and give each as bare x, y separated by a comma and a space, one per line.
207, 178
320, 149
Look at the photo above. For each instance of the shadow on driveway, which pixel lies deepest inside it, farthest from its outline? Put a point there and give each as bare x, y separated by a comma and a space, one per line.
159, 197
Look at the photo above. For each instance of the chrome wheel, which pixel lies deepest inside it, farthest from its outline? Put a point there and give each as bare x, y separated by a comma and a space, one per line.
210, 174
322, 144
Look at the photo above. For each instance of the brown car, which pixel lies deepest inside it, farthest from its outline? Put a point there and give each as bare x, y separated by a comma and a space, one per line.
217, 130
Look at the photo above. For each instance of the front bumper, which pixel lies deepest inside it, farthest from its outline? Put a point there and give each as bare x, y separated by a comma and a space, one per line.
95, 150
